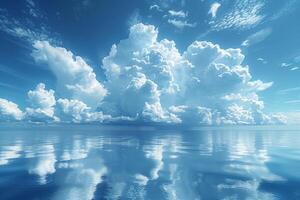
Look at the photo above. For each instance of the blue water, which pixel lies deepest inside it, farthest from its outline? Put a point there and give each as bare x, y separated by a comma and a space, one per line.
117, 162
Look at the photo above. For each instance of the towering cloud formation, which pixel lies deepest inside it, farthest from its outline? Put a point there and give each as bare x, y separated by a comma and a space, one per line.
75, 78
149, 80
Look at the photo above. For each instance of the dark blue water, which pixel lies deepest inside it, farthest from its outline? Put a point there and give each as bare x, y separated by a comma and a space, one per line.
93, 162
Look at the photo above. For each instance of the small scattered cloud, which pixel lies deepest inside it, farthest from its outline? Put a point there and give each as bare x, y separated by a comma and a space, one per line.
180, 13
214, 9
156, 8
180, 24
262, 60
292, 66
285, 64
179, 19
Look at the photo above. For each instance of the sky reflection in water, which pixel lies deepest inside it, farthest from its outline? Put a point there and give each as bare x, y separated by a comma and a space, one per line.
89, 162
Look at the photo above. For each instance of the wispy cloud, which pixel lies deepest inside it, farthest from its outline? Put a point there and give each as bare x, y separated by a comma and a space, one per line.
257, 37
24, 28
288, 7
288, 90
292, 66
214, 9
293, 101
32, 9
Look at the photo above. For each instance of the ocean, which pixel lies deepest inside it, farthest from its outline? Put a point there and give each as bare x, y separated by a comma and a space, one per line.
70, 162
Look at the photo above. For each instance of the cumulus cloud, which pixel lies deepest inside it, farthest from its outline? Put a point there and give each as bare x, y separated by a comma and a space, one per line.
77, 111
42, 103
150, 81
214, 9
158, 83
75, 78
9, 111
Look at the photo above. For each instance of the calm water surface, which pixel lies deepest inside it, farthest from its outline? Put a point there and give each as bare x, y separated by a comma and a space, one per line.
92, 162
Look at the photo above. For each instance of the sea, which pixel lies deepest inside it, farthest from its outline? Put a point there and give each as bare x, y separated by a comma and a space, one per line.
119, 162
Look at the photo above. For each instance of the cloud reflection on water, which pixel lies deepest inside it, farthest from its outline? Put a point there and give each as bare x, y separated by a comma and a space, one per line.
149, 165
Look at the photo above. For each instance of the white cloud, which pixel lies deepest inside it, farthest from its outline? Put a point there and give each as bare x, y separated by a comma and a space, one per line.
9, 111
75, 78
258, 85
141, 179
214, 9
181, 23
149, 80
24, 29
42, 103
180, 13
242, 15
257, 37
179, 19
285, 64
155, 7
193, 115
262, 60
77, 111
159, 84
294, 68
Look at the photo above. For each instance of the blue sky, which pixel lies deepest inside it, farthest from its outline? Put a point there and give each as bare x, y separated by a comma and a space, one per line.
34, 33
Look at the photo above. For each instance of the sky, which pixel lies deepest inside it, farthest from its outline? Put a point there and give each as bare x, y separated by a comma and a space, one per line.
170, 61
